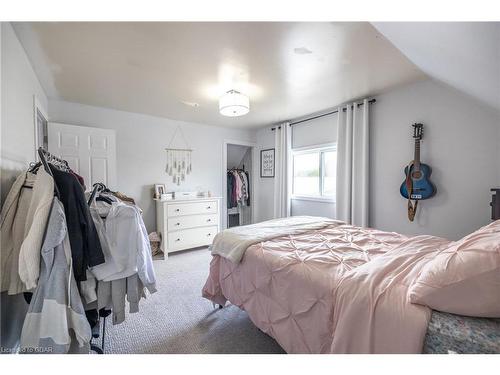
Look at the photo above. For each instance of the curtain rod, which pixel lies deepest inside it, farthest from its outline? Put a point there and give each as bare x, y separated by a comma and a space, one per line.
371, 101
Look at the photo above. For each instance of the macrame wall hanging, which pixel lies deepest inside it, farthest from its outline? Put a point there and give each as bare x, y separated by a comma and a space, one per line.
178, 159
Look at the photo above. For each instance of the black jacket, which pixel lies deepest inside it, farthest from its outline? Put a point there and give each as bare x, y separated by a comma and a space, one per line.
86, 249
230, 183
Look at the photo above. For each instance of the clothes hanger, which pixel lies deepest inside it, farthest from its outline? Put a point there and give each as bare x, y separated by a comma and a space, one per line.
99, 188
104, 199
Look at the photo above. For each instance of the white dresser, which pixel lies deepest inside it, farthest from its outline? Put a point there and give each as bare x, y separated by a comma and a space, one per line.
187, 223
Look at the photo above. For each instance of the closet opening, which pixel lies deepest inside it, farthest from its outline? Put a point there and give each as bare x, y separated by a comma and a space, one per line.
238, 184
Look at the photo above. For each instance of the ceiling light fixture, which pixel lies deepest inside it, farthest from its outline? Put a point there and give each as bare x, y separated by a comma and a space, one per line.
233, 104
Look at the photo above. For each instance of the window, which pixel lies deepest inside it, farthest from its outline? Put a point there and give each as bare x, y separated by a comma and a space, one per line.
314, 173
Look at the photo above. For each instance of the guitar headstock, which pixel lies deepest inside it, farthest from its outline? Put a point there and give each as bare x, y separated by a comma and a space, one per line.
418, 131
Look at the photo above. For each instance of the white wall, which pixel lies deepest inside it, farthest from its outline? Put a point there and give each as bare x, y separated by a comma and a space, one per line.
141, 141
461, 143
264, 209
498, 169
19, 84
313, 208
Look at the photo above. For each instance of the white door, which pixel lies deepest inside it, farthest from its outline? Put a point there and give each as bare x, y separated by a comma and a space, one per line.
90, 152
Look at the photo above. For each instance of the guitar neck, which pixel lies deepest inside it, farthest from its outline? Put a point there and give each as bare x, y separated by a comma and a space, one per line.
416, 160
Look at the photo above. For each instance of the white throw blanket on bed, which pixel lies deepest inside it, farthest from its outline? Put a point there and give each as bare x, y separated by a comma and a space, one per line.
232, 243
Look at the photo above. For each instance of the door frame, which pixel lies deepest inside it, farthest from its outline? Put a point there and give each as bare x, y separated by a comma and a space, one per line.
253, 192
38, 107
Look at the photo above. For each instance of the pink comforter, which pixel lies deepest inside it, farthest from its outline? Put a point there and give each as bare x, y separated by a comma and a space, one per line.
341, 289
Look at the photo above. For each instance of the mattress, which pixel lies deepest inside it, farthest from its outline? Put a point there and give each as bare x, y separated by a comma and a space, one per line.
340, 289
449, 333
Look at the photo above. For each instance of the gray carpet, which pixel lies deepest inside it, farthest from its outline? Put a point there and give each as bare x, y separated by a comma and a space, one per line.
176, 319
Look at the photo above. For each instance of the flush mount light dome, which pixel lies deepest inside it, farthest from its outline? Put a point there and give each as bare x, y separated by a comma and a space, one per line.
233, 104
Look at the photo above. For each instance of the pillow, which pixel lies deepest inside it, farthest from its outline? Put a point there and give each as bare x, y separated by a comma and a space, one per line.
464, 278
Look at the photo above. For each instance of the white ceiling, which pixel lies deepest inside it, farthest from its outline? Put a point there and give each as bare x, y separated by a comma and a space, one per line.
287, 69
465, 55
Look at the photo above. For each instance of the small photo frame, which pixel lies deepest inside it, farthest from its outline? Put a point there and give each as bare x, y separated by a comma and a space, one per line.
159, 190
267, 163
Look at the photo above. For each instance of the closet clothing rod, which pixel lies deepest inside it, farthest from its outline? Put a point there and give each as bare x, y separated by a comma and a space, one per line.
322, 115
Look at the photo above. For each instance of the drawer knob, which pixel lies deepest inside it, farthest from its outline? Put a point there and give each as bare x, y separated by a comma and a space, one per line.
177, 209
178, 239
209, 207
209, 234
177, 223
209, 220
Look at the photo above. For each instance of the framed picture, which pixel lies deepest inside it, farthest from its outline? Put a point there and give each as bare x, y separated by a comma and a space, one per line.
267, 163
159, 190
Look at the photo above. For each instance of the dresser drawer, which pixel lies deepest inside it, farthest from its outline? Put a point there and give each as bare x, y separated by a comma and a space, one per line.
192, 208
186, 222
185, 239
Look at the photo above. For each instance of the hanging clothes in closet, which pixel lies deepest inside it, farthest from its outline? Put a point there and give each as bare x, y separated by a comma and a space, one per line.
238, 188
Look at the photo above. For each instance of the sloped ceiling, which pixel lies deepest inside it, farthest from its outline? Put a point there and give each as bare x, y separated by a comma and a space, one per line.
464, 55
235, 154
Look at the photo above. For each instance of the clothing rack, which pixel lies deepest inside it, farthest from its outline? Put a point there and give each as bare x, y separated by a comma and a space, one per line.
97, 188
96, 348
323, 115
46, 158
52, 165
238, 169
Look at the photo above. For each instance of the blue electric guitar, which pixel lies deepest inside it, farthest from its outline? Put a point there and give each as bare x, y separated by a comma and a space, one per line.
417, 185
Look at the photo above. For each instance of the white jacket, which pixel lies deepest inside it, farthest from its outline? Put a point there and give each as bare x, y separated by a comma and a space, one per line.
23, 222
124, 242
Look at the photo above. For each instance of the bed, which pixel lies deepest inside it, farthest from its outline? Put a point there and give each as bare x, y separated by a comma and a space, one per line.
336, 288
450, 333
